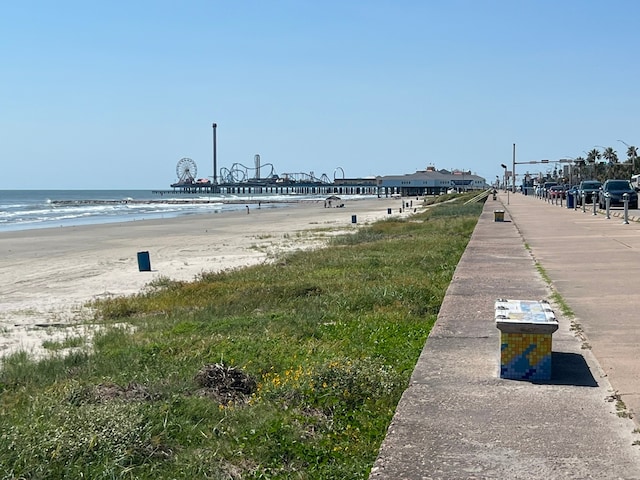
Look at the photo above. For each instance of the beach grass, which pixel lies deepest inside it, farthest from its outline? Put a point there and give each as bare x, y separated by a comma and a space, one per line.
291, 369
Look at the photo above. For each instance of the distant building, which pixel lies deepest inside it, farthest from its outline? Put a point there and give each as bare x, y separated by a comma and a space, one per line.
430, 182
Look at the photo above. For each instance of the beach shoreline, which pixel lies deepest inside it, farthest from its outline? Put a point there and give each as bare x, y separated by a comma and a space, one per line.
48, 275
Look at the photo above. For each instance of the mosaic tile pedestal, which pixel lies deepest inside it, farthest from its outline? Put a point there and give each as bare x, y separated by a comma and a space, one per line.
526, 328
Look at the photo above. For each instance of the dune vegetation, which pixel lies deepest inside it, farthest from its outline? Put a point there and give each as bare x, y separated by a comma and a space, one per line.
291, 369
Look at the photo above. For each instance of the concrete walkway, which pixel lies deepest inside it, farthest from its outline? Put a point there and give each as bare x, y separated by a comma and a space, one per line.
459, 420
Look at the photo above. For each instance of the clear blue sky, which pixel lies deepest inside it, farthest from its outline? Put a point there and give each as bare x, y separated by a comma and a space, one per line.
106, 95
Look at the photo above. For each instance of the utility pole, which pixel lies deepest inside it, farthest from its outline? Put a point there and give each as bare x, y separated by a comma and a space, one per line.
513, 171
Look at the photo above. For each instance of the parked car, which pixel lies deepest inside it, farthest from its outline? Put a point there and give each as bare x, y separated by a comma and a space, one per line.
557, 191
614, 189
572, 192
588, 188
546, 186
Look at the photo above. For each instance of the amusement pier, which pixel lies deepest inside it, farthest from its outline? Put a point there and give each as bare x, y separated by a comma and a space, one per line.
262, 180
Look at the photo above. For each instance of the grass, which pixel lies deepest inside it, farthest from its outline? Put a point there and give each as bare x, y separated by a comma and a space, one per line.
67, 342
621, 407
557, 299
310, 355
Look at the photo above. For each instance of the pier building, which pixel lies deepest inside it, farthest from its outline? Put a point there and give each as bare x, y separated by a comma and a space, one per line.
431, 182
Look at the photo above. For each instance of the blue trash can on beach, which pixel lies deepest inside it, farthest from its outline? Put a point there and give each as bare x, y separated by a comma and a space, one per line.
144, 264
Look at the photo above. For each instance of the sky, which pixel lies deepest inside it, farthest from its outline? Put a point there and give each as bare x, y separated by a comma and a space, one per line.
111, 95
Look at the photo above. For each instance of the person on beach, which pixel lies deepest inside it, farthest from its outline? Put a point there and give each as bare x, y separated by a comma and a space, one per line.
247, 209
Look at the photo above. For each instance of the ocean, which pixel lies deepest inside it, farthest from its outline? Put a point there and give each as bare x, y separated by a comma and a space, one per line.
30, 209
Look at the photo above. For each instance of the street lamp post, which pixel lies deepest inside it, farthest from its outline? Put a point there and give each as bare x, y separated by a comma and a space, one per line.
633, 155
505, 176
570, 161
513, 171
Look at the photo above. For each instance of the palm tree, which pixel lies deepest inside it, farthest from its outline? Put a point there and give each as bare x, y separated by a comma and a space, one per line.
611, 157
593, 156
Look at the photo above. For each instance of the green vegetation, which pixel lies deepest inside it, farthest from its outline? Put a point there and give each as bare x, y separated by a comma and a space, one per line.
543, 273
566, 310
557, 299
621, 407
68, 342
288, 370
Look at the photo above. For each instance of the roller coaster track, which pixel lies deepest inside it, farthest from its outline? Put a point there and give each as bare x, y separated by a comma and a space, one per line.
239, 173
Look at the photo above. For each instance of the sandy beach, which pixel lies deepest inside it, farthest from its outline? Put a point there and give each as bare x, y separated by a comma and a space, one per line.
48, 275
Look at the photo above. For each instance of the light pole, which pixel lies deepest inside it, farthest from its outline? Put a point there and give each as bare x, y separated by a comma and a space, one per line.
513, 171
568, 159
633, 155
505, 176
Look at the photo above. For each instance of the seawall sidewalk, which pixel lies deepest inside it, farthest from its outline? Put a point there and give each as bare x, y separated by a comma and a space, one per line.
459, 420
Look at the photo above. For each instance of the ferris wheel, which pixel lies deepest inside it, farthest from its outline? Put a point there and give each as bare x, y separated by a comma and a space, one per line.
186, 170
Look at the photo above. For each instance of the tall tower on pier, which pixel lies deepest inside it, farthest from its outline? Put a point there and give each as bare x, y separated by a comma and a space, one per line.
256, 160
215, 160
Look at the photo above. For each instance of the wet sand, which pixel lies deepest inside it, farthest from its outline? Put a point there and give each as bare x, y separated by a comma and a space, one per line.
48, 275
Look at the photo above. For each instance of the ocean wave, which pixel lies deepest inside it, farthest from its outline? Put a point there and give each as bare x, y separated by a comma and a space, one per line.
21, 210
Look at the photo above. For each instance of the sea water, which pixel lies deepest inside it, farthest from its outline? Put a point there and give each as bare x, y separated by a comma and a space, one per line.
29, 209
